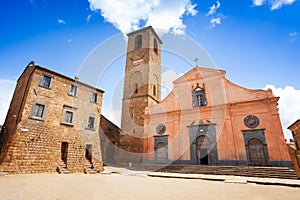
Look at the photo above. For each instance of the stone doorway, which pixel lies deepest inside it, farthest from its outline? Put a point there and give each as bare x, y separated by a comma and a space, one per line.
256, 153
202, 150
161, 153
161, 149
64, 151
203, 144
256, 147
88, 152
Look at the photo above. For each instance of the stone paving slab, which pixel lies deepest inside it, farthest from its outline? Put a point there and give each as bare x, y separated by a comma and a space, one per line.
224, 178
229, 179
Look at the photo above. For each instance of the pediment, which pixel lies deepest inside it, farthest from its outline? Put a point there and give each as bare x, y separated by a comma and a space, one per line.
199, 73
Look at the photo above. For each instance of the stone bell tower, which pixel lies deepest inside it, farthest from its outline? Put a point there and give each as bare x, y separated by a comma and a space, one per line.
142, 82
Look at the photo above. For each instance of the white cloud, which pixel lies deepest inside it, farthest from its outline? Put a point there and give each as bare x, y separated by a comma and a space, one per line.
258, 2
131, 15
275, 4
213, 9
69, 40
215, 21
61, 21
292, 36
191, 9
88, 18
7, 87
289, 107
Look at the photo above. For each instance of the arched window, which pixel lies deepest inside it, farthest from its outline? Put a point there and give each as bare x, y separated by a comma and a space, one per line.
155, 46
138, 42
199, 97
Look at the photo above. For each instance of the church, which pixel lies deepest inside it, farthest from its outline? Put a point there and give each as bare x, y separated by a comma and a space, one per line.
205, 120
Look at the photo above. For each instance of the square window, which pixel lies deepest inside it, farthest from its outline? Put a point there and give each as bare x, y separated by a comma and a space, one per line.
91, 123
38, 111
73, 90
46, 81
94, 97
68, 117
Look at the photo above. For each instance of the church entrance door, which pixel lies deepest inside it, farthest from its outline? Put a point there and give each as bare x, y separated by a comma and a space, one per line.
257, 153
202, 150
161, 154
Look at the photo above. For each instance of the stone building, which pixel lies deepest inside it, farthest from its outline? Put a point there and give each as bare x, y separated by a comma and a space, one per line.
52, 125
205, 120
295, 149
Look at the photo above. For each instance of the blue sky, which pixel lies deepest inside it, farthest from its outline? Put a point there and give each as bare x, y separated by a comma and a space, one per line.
256, 42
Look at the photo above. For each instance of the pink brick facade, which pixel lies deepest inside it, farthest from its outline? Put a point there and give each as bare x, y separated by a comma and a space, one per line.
227, 124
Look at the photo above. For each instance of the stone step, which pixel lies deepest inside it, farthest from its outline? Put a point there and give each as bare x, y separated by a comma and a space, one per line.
62, 168
89, 168
90, 171
264, 172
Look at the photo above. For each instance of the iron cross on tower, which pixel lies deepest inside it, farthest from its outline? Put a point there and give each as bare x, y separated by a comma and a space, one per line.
196, 61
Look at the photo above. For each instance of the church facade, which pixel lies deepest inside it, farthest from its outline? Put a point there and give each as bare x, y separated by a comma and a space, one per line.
208, 120
205, 120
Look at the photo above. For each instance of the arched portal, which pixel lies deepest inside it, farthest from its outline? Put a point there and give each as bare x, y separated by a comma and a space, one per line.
161, 153
257, 153
202, 150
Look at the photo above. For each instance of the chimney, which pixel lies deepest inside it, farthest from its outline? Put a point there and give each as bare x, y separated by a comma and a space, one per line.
31, 64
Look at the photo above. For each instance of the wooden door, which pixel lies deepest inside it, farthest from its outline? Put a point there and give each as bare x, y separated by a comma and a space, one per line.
161, 153
257, 153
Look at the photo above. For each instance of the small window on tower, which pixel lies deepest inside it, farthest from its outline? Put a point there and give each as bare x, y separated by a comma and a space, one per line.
136, 88
154, 90
138, 42
155, 46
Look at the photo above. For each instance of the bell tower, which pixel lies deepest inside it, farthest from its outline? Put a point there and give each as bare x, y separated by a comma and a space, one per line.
142, 81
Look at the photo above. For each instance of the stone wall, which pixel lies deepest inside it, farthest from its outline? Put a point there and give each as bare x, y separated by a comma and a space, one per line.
34, 145
295, 149
110, 140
